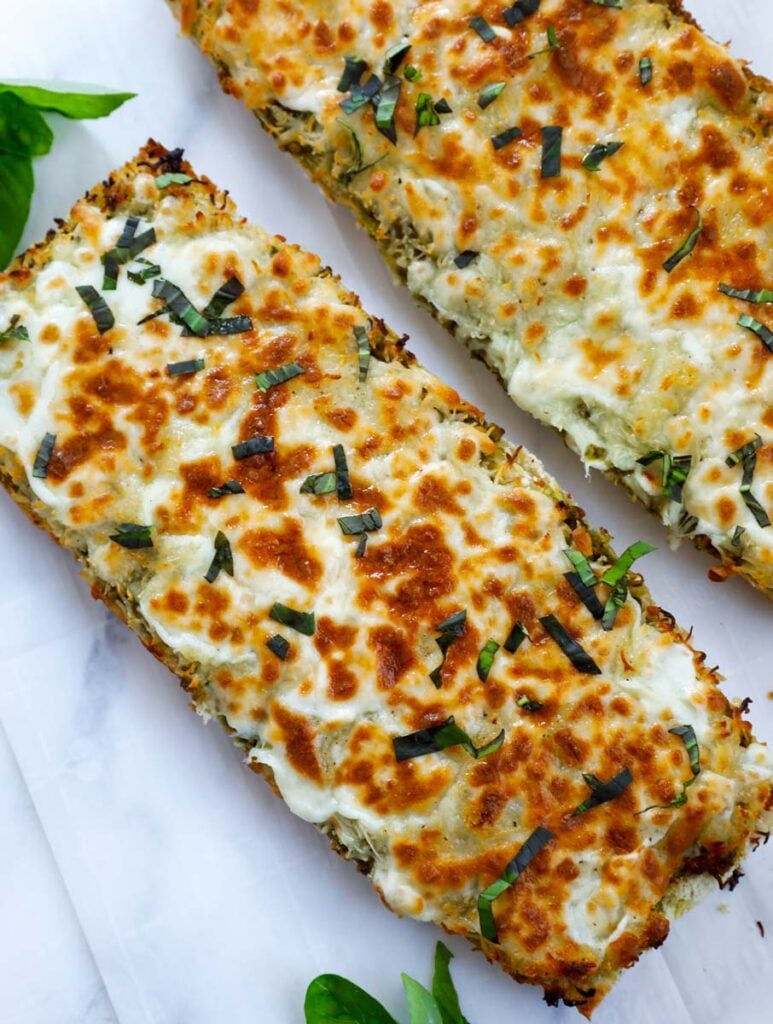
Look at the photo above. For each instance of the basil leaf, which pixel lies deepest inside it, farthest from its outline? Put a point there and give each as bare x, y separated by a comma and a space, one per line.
15, 331
331, 999
23, 131
361, 95
428, 113
552, 43
223, 558
486, 659
132, 536
686, 247
229, 487
343, 483
608, 3
354, 69
506, 137
686, 734
421, 1003
16, 186
363, 351
319, 483
99, 309
223, 297
578, 656
454, 624
302, 622
76, 105
464, 259
412, 73
581, 566
736, 539
763, 333
617, 571
481, 26
185, 367
365, 522
43, 457
385, 107
278, 646
443, 988
258, 445
552, 136
603, 792
223, 326
585, 593
676, 469
450, 630
438, 737
270, 378
515, 638
645, 71
490, 93
362, 543
539, 838
747, 455
180, 305
747, 294
146, 273
615, 602
394, 57
528, 704
520, 11
165, 180
592, 160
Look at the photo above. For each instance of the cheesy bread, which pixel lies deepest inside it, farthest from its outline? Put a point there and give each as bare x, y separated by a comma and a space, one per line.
580, 190
402, 620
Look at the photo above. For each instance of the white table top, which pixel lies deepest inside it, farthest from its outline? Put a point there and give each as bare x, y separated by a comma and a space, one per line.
146, 875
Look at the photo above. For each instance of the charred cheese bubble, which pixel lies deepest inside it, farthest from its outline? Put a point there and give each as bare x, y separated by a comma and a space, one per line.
579, 290
220, 510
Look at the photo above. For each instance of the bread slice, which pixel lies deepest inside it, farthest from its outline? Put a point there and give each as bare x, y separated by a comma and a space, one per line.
337, 555
567, 185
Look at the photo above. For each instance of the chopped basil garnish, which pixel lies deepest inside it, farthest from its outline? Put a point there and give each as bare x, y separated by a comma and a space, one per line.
585, 593
229, 487
129, 246
582, 567
319, 483
747, 294
343, 483
223, 559
354, 68
490, 93
481, 26
603, 792
302, 622
686, 733
592, 160
608, 3
278, 646
361, 95
615, 602
450, 630
528, 704
747, 456
427, 112
515, 638
539, 838
578, 656
226, 325
486, 659
363, 351
438, 737
676, 469
686, 247
98, 308
616, 572
185, 367
15, 331
736, 539
393, 58
270, 378
386, 106
551, 151
364, 522
412, 73
43, 457
258, 445
520, 10
506, 137
132, 536
110, 280
223, 297
645, 70
552, 44
165, 180
362, 543
763, 333
180, 305
443, 106
147, 272
464, 259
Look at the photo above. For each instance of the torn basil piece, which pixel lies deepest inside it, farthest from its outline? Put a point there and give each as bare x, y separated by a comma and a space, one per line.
223, 560
129, 246
737, 538
539, 838
443, 106
223, 297
616, 600
450, 629
515, 638
319, 483
520, 11
552, 43
132, 536
180, 305
616, 572
412, 73
686, 247
506, 137
428, 113
438, 737
454, 624
747, 294
99, 309
645, 71
43, 457
222, 490
481, 26
361, 95
393, 58
354, 69
278, 646
185, 367
747, 456
270, 378
593, 159
362, 543
486, 659
386, 105
343, 483
686, 734
364, 522
15, 331
676, 469
226, 325
552, 136
603, 792
763, 333
110, 279
464, 259
301, 622
528, 704
578, 656
581, 566
146, 272
258, 445
363, 351
490, 93
585, 593
165, 180
608, 3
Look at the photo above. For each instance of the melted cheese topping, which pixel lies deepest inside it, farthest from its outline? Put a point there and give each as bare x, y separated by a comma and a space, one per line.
568, 300
467, 524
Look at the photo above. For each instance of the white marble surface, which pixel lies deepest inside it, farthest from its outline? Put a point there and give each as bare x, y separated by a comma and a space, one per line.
146, 875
